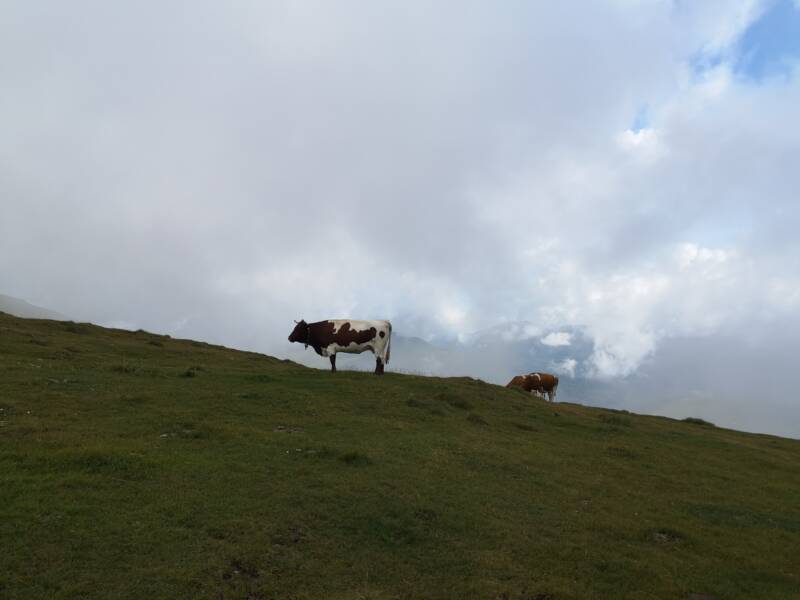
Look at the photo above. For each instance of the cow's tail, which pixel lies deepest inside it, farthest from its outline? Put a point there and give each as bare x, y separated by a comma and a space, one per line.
388, 346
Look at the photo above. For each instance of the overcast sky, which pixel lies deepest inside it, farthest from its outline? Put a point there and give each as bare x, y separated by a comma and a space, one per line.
215, 170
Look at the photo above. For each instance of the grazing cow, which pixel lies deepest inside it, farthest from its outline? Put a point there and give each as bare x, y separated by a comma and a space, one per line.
541, 384
345, 335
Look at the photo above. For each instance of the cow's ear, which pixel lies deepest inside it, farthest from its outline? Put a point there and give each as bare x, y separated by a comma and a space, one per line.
296, 321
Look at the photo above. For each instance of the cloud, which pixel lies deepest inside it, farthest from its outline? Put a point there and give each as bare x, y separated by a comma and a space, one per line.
557, 338
565, 367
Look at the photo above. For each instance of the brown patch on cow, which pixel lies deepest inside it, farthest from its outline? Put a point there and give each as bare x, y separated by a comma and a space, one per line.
322, 334
382, 334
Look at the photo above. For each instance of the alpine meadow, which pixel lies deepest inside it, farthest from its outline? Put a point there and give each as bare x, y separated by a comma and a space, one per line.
135, 465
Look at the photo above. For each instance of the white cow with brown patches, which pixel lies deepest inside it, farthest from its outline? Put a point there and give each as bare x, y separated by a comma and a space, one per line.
346, 335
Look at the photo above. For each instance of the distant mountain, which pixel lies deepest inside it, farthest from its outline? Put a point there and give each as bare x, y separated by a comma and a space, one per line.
20, 308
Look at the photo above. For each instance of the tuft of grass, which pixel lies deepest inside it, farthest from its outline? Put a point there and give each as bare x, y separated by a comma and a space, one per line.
696, 421
414, 403
79, 328
476, 419
615, 420
454, 400
192, 371
355, 459
620, 452
261, 378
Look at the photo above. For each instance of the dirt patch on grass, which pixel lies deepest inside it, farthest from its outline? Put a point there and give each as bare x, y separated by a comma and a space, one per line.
285, 429
665, 536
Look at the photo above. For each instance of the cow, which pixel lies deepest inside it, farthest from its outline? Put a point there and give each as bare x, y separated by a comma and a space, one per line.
346, 335
541, 384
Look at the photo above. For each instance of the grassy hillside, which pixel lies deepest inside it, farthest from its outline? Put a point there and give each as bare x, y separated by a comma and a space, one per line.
138, 466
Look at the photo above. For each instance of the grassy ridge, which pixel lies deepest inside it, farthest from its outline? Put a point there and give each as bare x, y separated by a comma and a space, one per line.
138, 466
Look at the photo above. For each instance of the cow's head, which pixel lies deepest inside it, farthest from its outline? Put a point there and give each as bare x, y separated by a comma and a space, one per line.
300, 332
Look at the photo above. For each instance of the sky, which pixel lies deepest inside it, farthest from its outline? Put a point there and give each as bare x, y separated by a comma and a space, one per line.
627, 168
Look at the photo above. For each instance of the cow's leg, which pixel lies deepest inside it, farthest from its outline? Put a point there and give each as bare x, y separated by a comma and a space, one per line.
333, 363
378, 366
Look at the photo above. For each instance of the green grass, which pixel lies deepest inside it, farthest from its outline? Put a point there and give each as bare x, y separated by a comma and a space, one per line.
134, 465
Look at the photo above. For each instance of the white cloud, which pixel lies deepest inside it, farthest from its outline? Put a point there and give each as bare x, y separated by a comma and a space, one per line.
565, 367
644, 144
557, 338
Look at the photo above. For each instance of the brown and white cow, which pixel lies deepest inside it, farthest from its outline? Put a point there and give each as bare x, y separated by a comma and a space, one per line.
346, 335
541, 384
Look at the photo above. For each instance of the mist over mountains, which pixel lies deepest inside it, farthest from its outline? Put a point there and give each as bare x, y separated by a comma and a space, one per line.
722, 378
21, 308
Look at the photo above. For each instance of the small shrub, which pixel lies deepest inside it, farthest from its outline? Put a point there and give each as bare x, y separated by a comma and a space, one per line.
696, 421
73, 327
192, 371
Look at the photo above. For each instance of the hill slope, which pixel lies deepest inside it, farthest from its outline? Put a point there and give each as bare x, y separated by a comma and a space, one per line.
135, 465
20, 308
